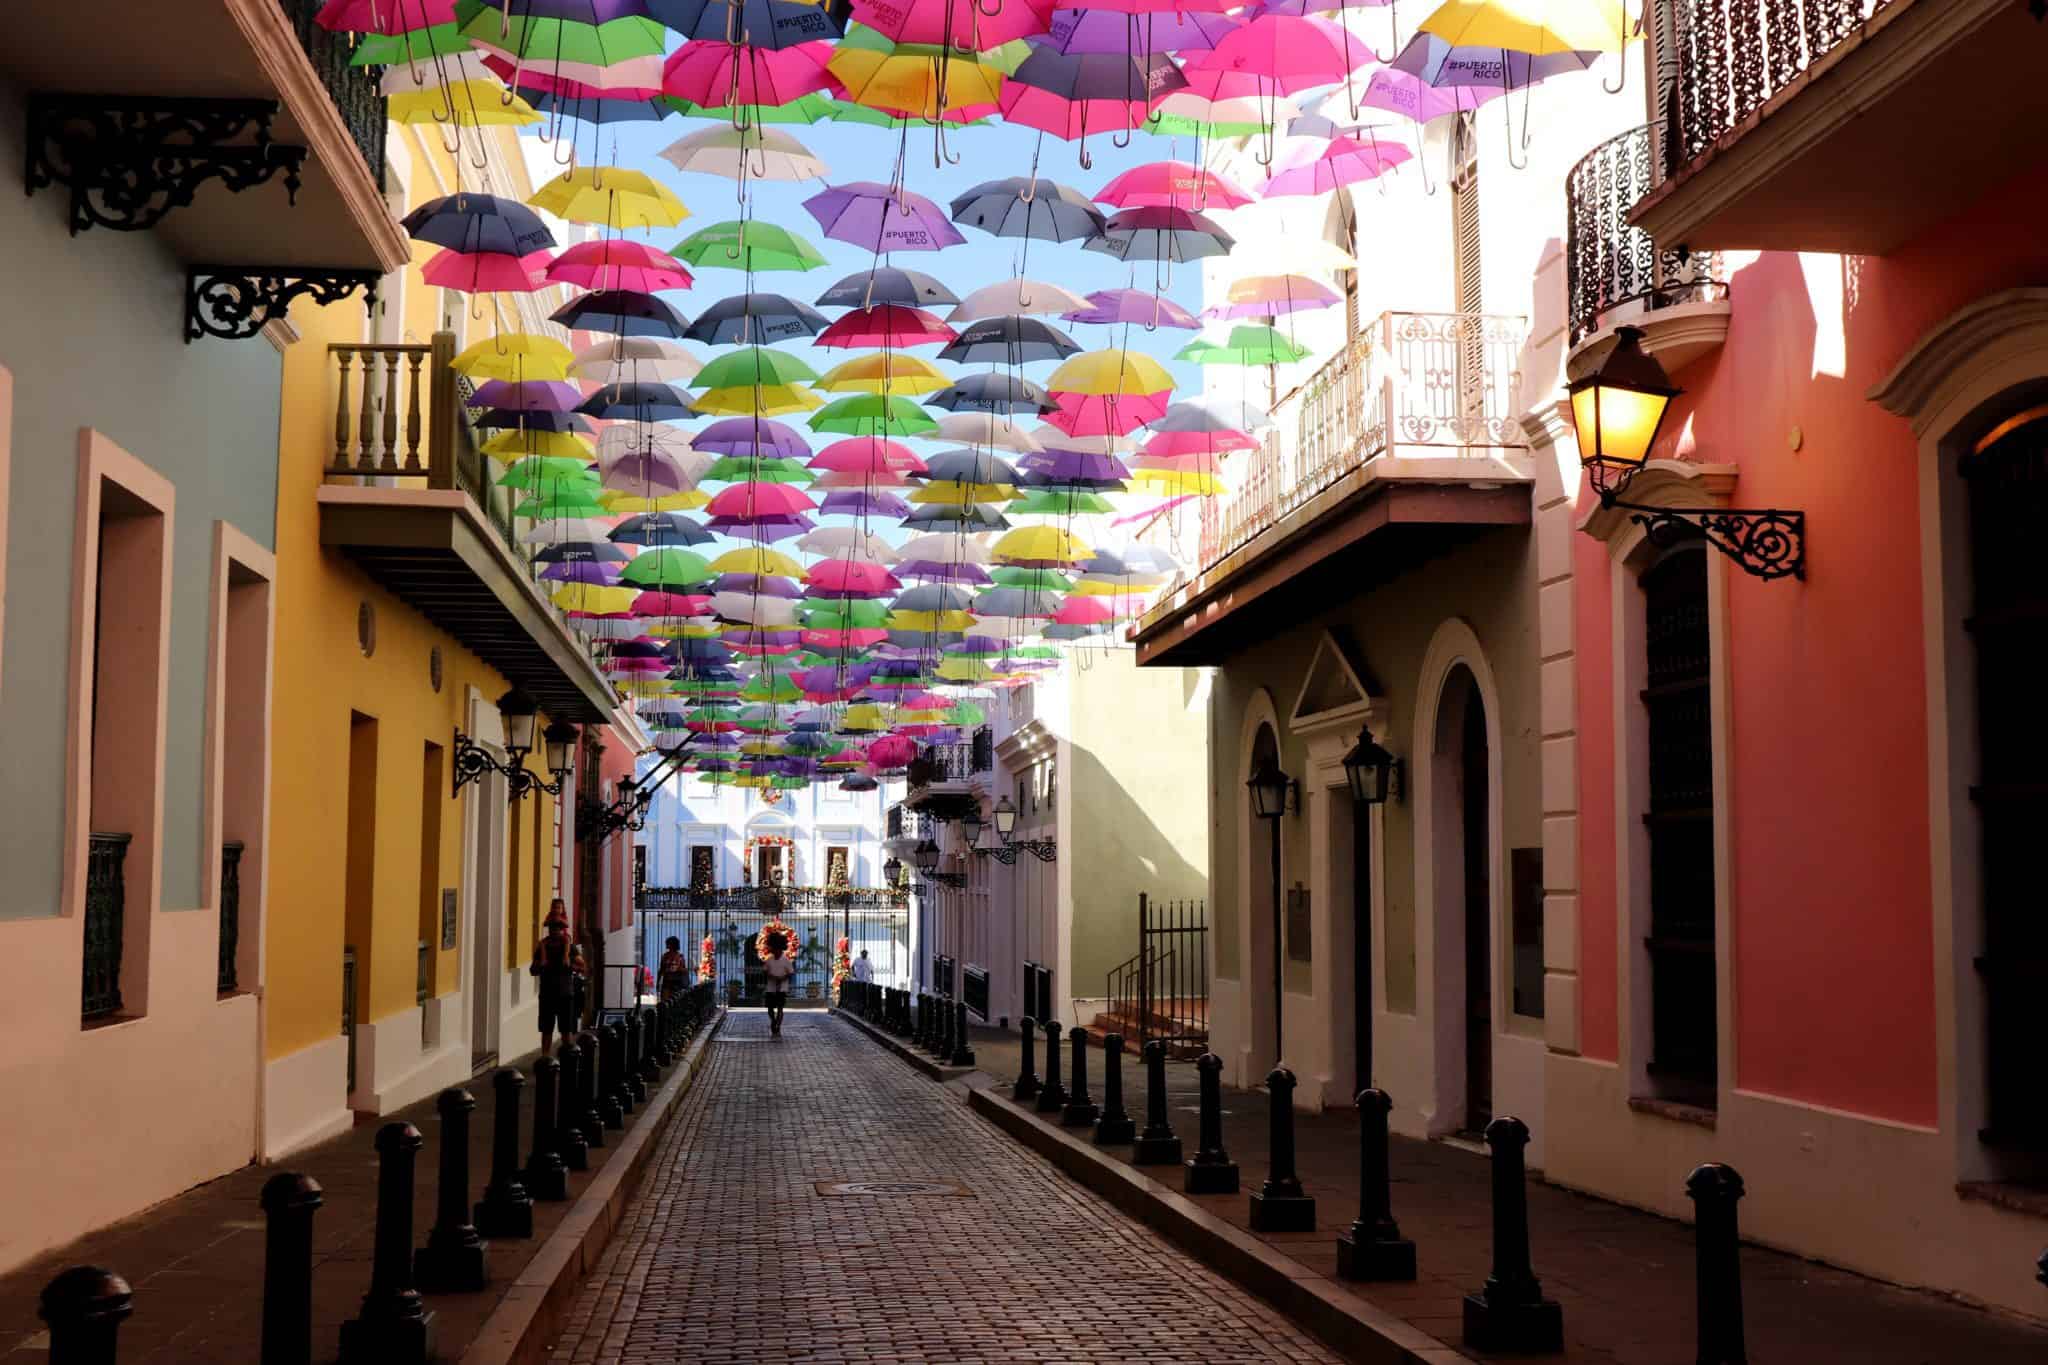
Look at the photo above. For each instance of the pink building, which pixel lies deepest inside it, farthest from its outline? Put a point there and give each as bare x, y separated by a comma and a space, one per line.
1791, 931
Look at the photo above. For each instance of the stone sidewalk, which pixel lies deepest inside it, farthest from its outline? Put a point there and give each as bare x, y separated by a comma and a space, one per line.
816, 1200
196, 1261
1624, 1277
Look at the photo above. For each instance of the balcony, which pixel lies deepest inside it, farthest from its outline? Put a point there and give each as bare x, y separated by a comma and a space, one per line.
1398, 448
1616, 275
943, 778
1840, 125
234, 129
409, 499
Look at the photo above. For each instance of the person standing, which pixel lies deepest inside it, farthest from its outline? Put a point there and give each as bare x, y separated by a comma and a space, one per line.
863, 970
674, 971
554, 966
778, 969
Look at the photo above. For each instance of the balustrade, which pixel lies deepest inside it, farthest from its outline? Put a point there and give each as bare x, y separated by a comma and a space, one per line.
1610, 264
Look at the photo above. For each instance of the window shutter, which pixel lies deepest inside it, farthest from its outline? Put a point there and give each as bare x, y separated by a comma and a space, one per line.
1468, 293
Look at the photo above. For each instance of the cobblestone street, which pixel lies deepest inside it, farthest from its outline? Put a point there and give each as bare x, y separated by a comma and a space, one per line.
738, 1251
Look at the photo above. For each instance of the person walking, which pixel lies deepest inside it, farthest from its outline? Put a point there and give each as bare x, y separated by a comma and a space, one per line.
778, 970
863, 970
554, 966
674, 971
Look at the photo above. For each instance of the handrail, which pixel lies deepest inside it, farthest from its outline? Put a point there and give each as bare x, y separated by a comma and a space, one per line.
1609, 263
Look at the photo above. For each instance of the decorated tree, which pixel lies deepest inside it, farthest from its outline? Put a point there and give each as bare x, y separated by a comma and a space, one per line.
707, 964
842, 962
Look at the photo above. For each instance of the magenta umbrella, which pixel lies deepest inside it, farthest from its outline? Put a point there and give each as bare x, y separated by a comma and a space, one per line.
753, 501
719, 75
871, 214
1098, 28
1341, 161
850, 578
1150, 311
655, 603
868, 455
961, 24
1071, 94
1287, 52
487, 272
1172, 185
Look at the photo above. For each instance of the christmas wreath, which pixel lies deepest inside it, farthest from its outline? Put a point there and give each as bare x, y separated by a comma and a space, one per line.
775, 926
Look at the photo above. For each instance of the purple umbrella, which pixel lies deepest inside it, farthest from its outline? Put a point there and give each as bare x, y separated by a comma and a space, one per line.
862, 502
1075, 466
753, 436
941, 571
1101, 30
582, 571
532, 395
870, 214
1148, 310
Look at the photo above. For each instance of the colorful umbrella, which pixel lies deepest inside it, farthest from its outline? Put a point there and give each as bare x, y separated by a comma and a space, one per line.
873, 215
750, 246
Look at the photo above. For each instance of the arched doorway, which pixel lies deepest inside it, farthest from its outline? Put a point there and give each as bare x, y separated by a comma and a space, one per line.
1462, 838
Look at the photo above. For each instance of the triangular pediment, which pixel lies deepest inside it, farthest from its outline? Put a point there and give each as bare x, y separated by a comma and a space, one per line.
1334, 693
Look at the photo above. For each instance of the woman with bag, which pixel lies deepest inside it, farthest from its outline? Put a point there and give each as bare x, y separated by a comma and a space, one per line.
779, 969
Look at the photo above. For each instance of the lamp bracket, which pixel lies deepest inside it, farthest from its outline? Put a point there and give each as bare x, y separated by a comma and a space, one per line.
1045, 850
472, 761
1764, 542
129, 160
236, 302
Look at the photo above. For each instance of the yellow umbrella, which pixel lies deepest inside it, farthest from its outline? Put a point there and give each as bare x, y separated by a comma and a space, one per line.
769, 400
594, 597
684, 630
1045, 544
1110, 371
964, 668
930, 620
888, 372
513, 444
1180, 483
953, 492
644, 687
863, 717
612, 196
757, 559
625, 503
908, 78
1542, 27
476, 104
515, 356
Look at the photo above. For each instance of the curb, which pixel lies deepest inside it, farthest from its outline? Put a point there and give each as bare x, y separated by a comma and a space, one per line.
1349, 1325
936, 1070
517, 1330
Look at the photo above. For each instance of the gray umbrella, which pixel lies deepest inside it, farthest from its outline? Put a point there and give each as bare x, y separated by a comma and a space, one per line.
1162, 234
756, 319
993, 393
932, 597
873, 288
969, 466
1037, 210
1009, 341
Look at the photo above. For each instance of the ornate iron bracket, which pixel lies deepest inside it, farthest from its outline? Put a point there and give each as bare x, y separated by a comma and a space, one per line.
472, 761
129, 161
598, 821
955, 880
235, 302
1765, 543
1045, 850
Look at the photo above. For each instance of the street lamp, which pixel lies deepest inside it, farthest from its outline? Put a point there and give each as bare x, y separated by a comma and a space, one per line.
518, 711
926, 856
1373, 774
971, 825
1269, 788
1006, 818
518, 714
1618, 409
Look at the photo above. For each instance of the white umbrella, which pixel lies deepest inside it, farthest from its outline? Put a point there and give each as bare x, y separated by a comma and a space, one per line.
757, 153
625, 360
985, 429
847, 542
1016, 296
558, 530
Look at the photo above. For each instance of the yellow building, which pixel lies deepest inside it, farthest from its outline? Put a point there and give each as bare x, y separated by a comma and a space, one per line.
405, 609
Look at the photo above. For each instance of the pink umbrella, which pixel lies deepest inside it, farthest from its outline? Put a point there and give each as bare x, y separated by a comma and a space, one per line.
750, 500
1083, 414
1172, 185
1169, 444
1287, 52
850, 578
888, 324
1195, 463
633, 78
881, 217
891, 751
487, 272
615, 263
867, 455
387, 17
1266, 296
1082, 610
1318, 169
961, 24
1162, 6
671, 604
716, 75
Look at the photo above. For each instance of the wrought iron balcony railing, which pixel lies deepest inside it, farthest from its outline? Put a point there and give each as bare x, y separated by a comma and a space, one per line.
106, 903
953, 762
1611, 266
1735, 55
793, 899
895, 822
1411, 385
354, 89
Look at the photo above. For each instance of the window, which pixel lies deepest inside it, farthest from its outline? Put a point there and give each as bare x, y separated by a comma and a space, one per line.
2007, 481
1679, 820
1469, 294
703, 874
836, 865
1525, 911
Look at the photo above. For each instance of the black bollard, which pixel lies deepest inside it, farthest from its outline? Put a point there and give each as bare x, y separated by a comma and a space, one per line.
635, 1082
1157, 1145
621, 1087
1715, 1189
963, 1053
569, 1139
546, 1177
1280, 1205
588, 1121
1510, 1313
84, 1307
1210, 1170
453, 1258
289, 1202
506, 1210
1372, 1248
920, 1028
650, 1050
1026, 1087
942, 1031
1115, 1126
612, 1052
1052, 1096
1080, 1111
394, 1326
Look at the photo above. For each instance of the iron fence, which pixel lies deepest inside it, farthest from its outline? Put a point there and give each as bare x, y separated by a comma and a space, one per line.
1161, 992
1734, 56
106, 903
943, 969
354, 89
974, 990
877, 922
1037, 991
1610, 264
1410, 385
230, 913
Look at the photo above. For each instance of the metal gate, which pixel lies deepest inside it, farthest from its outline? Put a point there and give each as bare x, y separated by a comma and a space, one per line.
1161, 992
732, 918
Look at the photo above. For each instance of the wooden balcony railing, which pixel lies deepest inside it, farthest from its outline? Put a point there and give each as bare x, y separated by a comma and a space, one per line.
1735, 55
1412, 385
1612, 266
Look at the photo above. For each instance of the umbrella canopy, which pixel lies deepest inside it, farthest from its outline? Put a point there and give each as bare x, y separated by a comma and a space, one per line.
472, 223
886, 284
1016, 297
996, 392
1039, 210
753, 152
770, 24
1146, 309
1009, 340
750, 246
610, 196
870, 214
1172, 185
755, 318
1162, 234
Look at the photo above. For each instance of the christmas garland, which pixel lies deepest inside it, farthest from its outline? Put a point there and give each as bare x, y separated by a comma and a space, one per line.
775, 926
707, 964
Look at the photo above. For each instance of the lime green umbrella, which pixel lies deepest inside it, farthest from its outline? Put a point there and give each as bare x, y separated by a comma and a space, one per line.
809, 108
873, 414
398, 49
1249, 344
844, 111
966, 713
747, 469
1180, 125
1041, 580
666, 569
1035, 652
1060, 502
751, 365
747, 246
771, 687
548, 471
851, 614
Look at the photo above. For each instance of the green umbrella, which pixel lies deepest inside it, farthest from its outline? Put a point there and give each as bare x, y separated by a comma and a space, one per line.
771, 688
542, 41
747, 246
809, 108
966, 713
747, 469
399, 49
548, 471
873, 414
665, 569
1044, 580
751, 365
845, 111
1060, 502
1180, 125
851, 614
1249, 344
